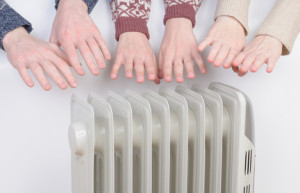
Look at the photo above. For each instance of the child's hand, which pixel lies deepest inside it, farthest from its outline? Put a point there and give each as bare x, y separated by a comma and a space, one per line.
263, 49
134, 51
74, 29
178, 48
227, 38
25, 51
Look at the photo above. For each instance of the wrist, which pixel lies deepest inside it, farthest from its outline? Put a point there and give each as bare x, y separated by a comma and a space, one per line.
72, 4
181, 23
13, 36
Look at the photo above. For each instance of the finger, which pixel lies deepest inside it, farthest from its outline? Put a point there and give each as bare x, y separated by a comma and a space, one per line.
213, 52
222, 54
189, 67
103, 46
178, 70
248, 61
139, 70
160, 66
235, 69
94, 47
60, 54
54, 40
151, 68
64, 69
206, 42
239, 59
51, 70
128, 67
271, 64
88, 58
167, 69
70, 50
40, 76
116, 67
231, 55
25, 76
199, 61
259, 61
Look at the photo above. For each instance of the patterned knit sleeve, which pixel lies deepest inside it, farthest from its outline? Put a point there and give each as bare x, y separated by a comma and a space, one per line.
9, 20
90, 4
130, 16
181, 8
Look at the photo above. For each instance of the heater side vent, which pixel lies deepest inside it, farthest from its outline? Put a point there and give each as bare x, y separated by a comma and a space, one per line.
248, 162
247, 189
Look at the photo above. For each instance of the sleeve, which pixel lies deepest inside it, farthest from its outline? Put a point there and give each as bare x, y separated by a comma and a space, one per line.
90, 4
9, 20
130, 16
181, 8
283, 23
234, 8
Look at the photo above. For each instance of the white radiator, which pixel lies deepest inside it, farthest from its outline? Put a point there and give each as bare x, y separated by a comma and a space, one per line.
195, 140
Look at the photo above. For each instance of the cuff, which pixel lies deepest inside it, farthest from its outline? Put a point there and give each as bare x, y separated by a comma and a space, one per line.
11, 20
90, 4
234, 8
283, 24
130, 24
181, 10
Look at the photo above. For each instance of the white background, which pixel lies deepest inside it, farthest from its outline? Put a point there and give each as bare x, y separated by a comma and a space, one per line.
34, 151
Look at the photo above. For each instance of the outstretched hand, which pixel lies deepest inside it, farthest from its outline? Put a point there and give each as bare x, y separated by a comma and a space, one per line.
178, 48
226, 38
263, 49
74, 29
134, 51
24, 51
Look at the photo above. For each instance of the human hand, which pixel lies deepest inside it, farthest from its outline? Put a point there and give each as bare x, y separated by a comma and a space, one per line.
178, 48
263, 49
134, 51
24, 51
74, 29
227, 38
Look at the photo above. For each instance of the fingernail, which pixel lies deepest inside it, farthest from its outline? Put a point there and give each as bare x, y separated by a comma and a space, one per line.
151, 76
113, 76
203, 70
168, 78
140, 79
191, 75
63, 84
179, 79
129, 74
74, 83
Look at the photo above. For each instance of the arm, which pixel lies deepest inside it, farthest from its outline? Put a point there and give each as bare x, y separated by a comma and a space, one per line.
179, 45
274, 38
133, 50
10, 20
227, 36
90, 4
26, 52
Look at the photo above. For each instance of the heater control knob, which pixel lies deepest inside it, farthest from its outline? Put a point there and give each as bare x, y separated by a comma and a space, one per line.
77, 138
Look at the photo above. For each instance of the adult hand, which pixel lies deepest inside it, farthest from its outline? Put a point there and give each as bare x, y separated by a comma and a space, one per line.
74, 29
134, 51
178, 48
263, 49
25, 51
226, 38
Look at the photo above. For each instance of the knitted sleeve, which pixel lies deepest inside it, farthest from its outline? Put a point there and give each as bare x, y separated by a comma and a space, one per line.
181, 8
90, 4
130, 16
234, 8
283, 23
9, 20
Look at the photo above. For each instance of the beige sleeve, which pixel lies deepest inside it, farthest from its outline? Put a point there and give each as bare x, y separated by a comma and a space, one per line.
234, 8
283, 23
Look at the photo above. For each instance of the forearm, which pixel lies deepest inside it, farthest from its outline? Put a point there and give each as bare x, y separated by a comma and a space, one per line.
90, 4
283, 23
184, 9
10, 20
234, 8
129, 19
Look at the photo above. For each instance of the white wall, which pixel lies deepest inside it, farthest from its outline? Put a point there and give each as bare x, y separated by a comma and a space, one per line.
34, 149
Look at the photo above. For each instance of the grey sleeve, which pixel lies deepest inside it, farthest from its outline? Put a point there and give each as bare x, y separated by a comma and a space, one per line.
9, 20
90, 3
